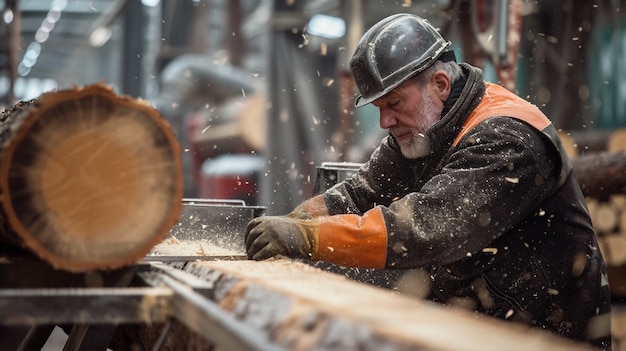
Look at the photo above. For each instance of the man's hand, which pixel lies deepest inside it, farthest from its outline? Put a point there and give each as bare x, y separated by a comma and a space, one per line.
269, 236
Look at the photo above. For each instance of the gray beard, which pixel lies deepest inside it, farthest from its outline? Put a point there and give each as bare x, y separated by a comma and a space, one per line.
420, 143
419, 147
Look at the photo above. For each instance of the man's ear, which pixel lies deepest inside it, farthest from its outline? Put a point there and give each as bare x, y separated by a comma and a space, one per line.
441, 84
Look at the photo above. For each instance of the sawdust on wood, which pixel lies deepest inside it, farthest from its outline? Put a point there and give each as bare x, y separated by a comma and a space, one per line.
174, 247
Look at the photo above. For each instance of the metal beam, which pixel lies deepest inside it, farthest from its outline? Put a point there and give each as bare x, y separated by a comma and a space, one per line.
41, 306
207, 319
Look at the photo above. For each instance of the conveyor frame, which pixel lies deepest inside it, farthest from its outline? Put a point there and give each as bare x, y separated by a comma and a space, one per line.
90, 306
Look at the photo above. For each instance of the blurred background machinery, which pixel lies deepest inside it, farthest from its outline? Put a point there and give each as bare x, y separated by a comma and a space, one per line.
259, 93
269, 79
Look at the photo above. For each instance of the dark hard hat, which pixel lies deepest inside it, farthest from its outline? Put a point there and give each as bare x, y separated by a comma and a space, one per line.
390, 52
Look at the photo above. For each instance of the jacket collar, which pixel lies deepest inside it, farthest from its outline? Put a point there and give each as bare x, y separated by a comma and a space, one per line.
465, 95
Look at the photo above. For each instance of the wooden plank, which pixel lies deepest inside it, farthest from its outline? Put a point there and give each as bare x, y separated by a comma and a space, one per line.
302, 307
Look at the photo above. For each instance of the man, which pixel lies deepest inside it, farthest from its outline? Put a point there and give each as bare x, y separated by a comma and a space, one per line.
472, 183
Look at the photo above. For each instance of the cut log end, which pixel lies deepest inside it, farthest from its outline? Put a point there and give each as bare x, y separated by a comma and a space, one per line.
91, 180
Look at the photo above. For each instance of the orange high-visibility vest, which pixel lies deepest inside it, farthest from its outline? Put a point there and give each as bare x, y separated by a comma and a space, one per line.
500, 102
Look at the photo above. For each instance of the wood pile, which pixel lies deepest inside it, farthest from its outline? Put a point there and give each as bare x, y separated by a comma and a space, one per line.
609, 220
89, 180
618, 329
599, 162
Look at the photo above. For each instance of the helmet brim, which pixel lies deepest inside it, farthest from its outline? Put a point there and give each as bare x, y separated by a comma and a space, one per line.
440, 55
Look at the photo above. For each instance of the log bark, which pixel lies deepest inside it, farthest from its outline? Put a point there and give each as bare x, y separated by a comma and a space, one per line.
312, 309
586, 142
617, 140
602, 174
605, 218
300, 307
89, 179
617, 280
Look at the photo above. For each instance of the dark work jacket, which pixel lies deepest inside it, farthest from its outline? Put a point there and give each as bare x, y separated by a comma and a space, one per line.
497, 218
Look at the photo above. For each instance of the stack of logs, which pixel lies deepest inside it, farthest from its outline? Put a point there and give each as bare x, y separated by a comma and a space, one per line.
609, 220
599, 161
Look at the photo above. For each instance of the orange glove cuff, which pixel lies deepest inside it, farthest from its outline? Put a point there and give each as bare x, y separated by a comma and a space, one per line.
352, 240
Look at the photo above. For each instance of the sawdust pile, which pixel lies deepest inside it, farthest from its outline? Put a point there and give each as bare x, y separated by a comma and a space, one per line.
174, 247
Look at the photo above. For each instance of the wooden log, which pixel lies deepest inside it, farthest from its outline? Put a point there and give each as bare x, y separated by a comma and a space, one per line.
617, 280
570, 146
89, 179
617, 140
601, 175
622, 223
301, 307
590, 141
605, 218
618, 327
619, 201
616, 250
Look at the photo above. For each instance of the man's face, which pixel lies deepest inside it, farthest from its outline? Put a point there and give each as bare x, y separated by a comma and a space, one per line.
408, 111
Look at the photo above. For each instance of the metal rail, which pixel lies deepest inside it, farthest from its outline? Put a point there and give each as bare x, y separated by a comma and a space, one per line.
157, 294
192, 307
26, 307
208, 320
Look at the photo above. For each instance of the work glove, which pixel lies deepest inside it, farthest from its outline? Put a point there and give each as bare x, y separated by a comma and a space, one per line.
268, 236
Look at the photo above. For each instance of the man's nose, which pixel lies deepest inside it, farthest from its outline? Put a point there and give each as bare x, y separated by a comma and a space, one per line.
387, 119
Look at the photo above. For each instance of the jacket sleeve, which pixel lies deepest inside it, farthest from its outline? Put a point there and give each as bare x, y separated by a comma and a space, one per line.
496, 176
382, 179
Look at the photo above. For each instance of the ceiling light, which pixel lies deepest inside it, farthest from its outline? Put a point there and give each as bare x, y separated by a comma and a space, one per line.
99, 36
8, 16
325, 26
150, 3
